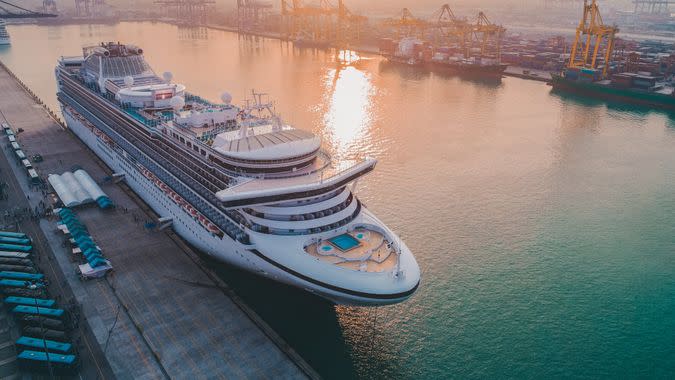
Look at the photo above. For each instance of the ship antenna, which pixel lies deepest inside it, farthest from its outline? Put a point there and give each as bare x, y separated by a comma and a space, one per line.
398, 252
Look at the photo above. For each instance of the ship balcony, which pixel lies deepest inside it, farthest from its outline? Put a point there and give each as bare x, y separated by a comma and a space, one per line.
364, 248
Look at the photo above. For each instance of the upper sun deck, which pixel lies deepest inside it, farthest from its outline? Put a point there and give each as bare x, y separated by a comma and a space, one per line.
115, 60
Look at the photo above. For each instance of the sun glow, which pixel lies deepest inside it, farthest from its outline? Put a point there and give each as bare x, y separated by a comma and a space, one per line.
348, 117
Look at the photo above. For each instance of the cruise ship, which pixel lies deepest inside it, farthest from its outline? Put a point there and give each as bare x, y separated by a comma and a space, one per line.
4, 35
235, 181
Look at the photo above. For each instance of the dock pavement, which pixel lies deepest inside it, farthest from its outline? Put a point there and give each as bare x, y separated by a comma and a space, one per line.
161, 313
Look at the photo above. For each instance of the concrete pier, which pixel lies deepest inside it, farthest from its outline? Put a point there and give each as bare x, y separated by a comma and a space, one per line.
161, 313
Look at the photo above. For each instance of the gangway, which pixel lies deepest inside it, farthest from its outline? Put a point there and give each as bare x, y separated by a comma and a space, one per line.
164, 223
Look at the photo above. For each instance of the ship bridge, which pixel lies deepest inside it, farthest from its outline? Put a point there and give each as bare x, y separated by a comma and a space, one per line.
262, 190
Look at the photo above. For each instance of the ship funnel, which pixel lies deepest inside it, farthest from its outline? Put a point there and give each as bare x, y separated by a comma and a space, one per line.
167, 76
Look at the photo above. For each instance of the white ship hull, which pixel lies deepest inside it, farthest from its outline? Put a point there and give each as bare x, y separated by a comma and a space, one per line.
224, 249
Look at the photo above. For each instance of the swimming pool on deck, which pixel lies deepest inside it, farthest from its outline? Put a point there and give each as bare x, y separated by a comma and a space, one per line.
345, 242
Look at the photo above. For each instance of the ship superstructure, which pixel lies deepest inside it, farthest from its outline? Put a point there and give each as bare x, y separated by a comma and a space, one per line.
237, 182
4, 35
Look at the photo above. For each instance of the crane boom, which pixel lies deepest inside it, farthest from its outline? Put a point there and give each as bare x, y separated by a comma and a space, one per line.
591, 33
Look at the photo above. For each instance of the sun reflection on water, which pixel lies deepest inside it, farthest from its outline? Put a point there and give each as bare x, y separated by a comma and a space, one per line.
348, 119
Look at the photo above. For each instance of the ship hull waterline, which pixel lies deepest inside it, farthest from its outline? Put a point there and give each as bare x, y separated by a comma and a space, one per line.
614, 94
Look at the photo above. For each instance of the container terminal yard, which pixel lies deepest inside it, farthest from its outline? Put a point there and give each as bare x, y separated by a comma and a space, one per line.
471, 45
160, 313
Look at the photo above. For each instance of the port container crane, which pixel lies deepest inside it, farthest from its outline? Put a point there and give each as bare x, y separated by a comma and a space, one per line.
407, 25
191, 11
652, 6
591, 33
253, 15
320, 22
447, 27
9, 10
49, 6
488, 36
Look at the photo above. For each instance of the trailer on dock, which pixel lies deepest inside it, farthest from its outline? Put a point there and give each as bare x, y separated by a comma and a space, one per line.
39, 311
22, 276
17, 268
60, 364
28, 343
29, 301
45, 333
19, 235
22, 284
16, 248
14, 240
28, 320
14, 255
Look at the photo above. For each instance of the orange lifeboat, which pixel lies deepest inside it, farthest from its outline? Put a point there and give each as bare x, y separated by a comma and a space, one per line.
213, 228
191, 210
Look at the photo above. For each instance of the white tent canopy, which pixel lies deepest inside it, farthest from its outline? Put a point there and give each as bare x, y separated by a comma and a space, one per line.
75, 189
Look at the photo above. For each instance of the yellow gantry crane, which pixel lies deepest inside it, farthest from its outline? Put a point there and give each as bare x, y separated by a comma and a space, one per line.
406, 24
591, 33
488, 36
449, 28
320, 21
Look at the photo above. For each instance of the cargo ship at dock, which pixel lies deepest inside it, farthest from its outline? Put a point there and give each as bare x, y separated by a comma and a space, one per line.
631, 88
591, 71
236, 182
412, 52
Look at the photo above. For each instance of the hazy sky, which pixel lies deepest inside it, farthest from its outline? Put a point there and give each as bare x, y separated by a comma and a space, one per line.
371, 5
